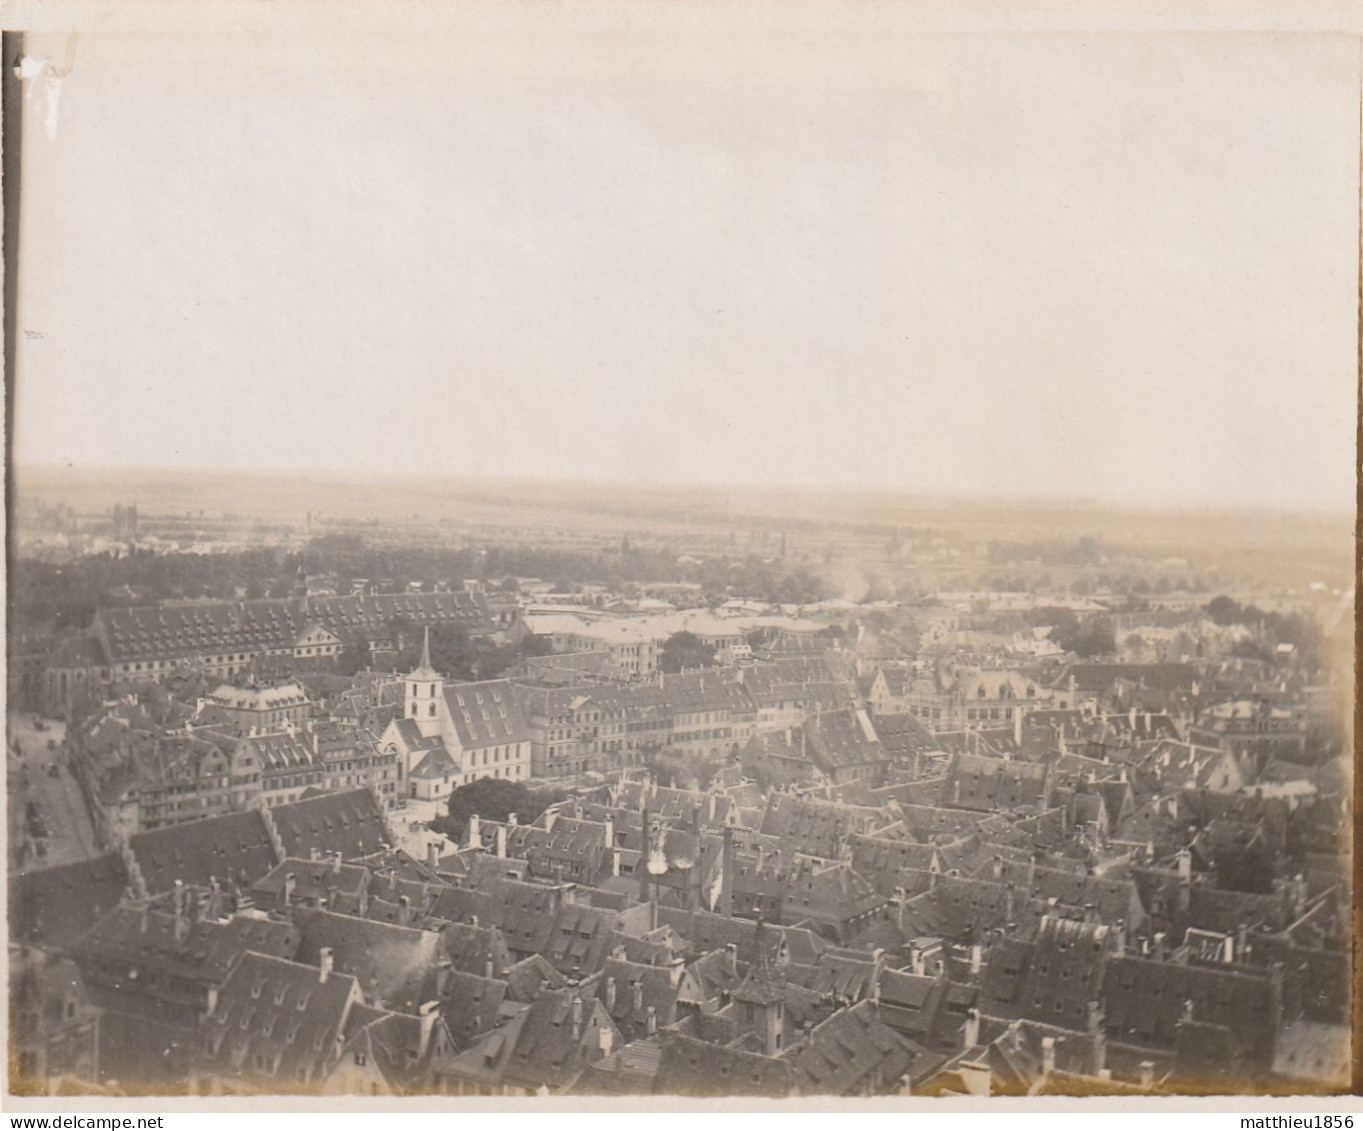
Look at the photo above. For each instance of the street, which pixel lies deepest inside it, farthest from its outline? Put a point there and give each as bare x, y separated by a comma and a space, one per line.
58, 799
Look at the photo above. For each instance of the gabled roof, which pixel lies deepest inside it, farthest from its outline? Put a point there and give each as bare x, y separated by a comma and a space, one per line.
691, 1067
486, 714
853, 1052
53, 907
276, 1021
394, 966
349, 823
198, 950
236, 846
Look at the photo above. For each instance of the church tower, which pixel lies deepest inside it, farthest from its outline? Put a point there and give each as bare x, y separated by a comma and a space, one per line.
424, 693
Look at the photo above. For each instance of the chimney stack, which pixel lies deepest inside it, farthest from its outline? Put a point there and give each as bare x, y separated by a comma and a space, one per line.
426, 1016
1047, 1056
976, 958
972, 1028
286, 895
324, 964
475, 839
610, 834
432, 854
577, 1018
610, 994
501, 842
1098, 1037
1148, 1075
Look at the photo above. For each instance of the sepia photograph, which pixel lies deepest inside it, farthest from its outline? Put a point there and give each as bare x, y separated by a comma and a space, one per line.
661, 552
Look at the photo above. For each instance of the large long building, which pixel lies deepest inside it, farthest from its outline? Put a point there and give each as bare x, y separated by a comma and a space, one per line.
223, 637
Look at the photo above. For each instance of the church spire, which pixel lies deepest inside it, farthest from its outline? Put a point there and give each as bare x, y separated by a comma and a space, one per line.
424, 669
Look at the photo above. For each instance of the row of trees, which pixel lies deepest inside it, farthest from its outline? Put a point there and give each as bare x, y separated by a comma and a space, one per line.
67, 595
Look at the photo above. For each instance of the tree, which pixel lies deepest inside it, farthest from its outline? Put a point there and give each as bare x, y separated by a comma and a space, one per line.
495, 799
1223, 610
684, 650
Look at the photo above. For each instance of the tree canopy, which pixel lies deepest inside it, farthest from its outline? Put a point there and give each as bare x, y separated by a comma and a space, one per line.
495, 799
684, 650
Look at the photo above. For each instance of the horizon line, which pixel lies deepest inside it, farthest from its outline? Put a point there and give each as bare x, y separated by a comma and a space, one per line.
972, 496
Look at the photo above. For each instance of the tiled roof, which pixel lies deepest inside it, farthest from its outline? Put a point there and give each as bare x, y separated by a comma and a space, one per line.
486, 714
690, 1067
349, 823
394, 966
236, 846
276, 1024
53, 907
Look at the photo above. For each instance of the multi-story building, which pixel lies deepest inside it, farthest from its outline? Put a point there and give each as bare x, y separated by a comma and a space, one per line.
263, 709
466, 731
223, 637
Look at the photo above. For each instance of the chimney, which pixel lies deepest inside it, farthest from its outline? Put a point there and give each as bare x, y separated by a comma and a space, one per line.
286, 895
315, 854
1119, 938
615, 861
501, 842
1098, 1037
336, 863
1017, 727
1228, 949
178, 903
651, 1022
1159, 946
426, 1016
606, 1041
610, 834
972, 1028
489, 971
731, 952
676, 966
212, 1005
1047, 1056
404, 911
324, 964
1242, 943
1148, 1075
610, 994
513, 818
475, 832
976, 958
577, 1018
998, 871
638, 988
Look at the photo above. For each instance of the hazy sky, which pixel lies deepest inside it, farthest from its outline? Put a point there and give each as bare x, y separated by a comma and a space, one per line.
1104, 265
